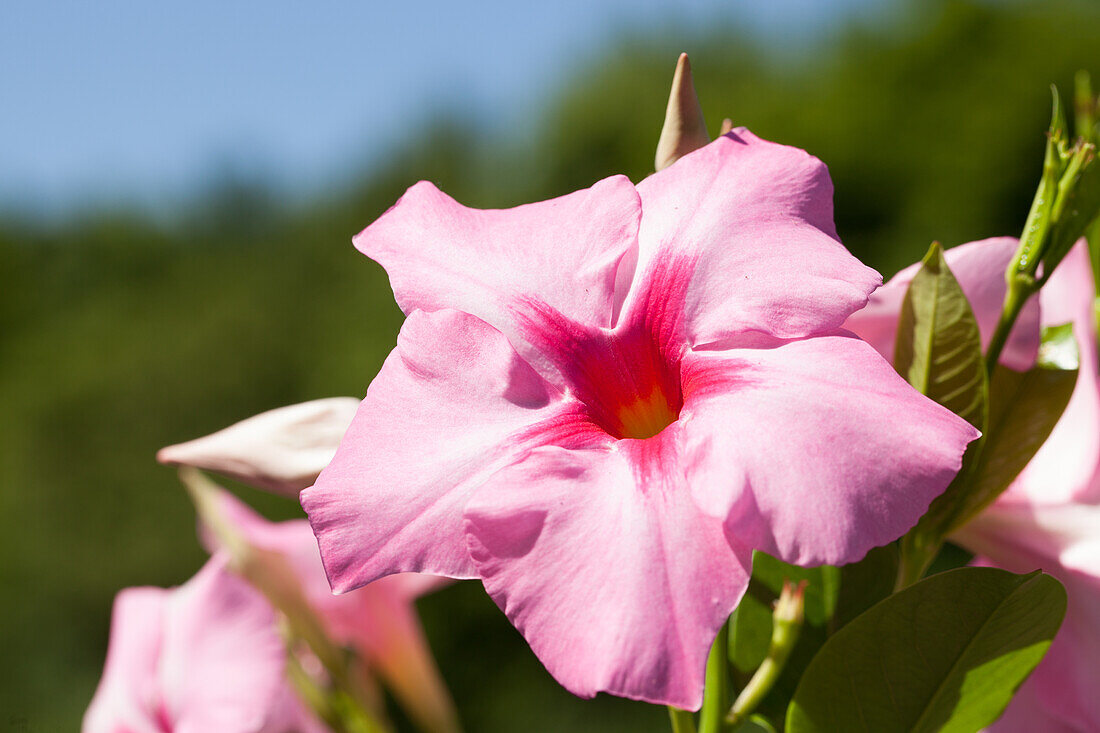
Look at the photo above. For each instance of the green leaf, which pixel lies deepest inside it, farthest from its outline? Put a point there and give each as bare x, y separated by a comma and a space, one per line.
750, 633
946, 654
1024, 408
865, 583
1057, 130
939, 348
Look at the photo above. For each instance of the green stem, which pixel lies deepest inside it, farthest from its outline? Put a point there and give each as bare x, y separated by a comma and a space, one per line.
716, 689
786, 625
1019, 291
334, 707
682, 722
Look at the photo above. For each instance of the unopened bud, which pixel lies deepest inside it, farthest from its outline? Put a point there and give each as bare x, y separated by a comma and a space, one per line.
684, 130
280, 450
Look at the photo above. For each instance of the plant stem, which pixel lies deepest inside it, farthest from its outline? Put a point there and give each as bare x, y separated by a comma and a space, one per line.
716, 690
786, 625
1018, 292
682, 721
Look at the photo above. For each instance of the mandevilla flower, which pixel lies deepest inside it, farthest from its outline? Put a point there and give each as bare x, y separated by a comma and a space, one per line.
1049, 518
206, 656
599, 405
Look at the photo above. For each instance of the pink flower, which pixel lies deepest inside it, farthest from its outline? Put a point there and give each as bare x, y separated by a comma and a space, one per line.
280, 450
205, 656
600, 404
378, 621
1049, 518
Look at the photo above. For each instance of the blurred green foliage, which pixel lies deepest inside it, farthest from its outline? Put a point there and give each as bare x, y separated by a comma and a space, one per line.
120, 333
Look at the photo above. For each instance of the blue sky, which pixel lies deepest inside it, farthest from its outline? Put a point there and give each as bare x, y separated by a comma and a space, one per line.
144, 99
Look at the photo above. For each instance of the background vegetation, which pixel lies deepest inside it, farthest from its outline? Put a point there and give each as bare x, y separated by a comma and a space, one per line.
121, 333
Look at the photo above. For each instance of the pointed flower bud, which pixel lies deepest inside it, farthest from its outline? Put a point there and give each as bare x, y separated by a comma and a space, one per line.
280, 450
684, 129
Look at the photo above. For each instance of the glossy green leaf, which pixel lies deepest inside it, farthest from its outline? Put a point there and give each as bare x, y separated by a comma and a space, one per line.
945, 654
865, 583
939, 348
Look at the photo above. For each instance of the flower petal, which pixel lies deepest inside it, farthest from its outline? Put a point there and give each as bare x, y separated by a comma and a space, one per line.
281, 450
604, 564
979, 267
452, 403
127, 697
205, 656
814, 451
563, 253
754, 222
1067, 467
1026, 714
222, 662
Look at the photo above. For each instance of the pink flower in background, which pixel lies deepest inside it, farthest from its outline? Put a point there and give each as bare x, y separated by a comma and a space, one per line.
1049, 519
378, 621
205, 656
600, 405
281, 450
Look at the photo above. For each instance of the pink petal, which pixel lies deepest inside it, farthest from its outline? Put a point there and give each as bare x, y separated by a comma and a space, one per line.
448, 408
1063, 541
127, 697
754, 220
979, 267
1067, 467
223, 661
563, 253
1025, 714
815, 450
206, 656
604, 564
281, 450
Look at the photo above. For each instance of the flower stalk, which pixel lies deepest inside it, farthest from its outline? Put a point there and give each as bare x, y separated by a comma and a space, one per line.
786, 627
